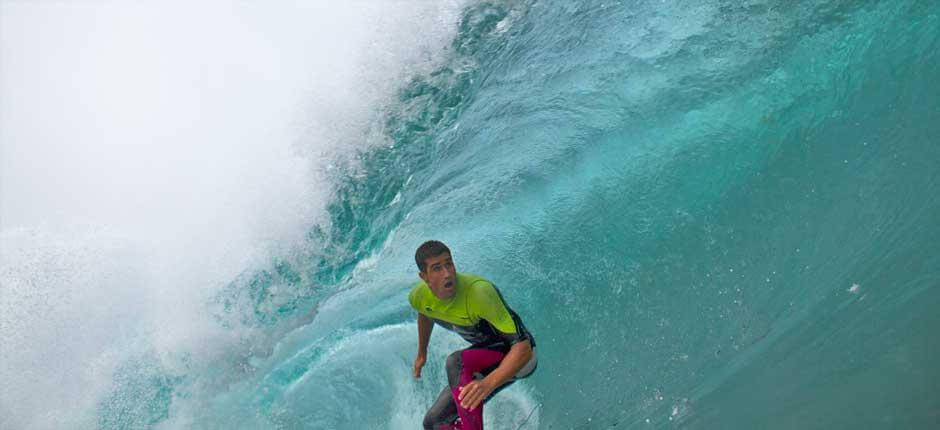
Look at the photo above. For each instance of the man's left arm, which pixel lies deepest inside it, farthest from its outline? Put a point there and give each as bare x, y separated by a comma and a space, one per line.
491, 308
474, 393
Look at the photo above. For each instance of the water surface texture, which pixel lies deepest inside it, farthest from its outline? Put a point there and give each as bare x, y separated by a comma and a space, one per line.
711, 214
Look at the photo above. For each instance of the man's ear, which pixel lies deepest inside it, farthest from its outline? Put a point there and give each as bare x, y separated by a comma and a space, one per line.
424, 276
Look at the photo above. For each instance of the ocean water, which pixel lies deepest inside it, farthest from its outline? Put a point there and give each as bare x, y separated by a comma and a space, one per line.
710, 214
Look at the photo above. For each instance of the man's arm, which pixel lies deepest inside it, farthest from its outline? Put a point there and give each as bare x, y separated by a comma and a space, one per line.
476, 392
425, 325
519, 354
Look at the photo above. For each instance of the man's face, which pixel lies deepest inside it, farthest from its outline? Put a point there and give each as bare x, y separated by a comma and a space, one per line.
441, 276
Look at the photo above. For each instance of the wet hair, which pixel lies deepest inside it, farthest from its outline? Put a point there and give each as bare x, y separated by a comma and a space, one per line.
431, 248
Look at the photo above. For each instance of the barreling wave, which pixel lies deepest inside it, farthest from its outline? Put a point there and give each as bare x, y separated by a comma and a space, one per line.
712, 215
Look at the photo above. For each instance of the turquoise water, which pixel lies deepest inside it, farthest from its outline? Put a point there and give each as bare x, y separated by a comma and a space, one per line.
710, 215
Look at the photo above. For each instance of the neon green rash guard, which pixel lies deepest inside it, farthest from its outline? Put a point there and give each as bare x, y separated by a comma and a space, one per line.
477, 312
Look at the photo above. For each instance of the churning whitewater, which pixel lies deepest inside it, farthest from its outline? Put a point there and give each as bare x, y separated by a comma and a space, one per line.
711, 214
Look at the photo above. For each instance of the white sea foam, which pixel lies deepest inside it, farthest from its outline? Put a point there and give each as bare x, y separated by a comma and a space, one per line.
151, 152
368, 374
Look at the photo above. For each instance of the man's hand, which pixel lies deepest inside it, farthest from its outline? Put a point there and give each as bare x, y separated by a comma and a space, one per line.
424, 335
419, 363
474, 393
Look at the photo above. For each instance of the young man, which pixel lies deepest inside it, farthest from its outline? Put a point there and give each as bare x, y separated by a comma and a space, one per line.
502, 349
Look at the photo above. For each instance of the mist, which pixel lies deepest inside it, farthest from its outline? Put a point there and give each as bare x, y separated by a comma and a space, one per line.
152, 151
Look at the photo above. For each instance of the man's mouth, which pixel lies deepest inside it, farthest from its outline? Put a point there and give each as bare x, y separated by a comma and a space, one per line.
449, 284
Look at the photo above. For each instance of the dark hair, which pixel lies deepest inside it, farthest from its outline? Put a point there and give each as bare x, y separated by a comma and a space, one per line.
431, 248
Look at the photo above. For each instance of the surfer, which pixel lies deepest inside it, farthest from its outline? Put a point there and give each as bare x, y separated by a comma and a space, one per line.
501, 350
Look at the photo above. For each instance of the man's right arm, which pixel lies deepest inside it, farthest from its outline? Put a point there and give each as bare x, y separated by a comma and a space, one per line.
425, 325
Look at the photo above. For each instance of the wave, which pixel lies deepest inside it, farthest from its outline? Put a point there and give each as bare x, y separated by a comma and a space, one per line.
711, 215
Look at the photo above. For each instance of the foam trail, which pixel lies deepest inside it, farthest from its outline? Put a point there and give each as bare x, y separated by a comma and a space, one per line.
358, 378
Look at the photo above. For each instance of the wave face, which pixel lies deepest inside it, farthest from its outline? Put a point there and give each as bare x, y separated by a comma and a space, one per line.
710, 214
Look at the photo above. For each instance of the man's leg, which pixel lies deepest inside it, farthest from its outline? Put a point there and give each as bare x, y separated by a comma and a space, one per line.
443, 412
461, 366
